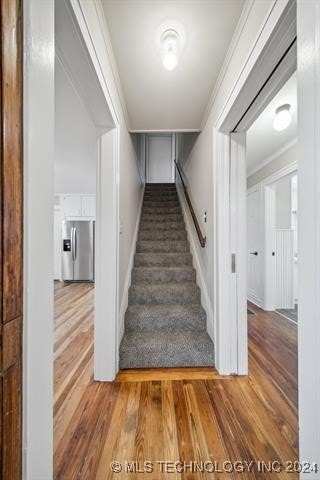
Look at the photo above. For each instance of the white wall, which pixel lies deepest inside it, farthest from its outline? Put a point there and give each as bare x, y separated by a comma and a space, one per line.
198, 163
76, 138
91, 20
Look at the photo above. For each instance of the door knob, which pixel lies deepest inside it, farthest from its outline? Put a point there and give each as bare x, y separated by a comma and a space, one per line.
254, 253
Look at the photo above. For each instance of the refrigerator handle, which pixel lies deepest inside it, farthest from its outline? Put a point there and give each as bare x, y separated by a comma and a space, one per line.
73, 243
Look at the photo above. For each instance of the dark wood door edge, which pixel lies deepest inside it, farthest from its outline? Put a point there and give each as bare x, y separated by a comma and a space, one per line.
11, 239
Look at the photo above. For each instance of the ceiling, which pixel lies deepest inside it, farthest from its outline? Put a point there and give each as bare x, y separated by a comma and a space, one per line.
158, 99
263, 142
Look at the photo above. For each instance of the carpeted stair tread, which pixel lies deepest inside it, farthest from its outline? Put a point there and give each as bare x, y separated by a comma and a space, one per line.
165, 246
165, 349
162, 235
154, 275
165, 323
156, 226
162, 259
160, 204
168, 293
167, 217
161, 210
172, 317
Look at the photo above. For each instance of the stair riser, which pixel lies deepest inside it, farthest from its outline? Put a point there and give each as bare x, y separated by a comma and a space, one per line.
159, 260
159, 351
169, 360
158, 276
162, 247
162, 218
156, 324
160, 195
157, 226
161, 204
160, 210
161, 198
164, 235
144, 295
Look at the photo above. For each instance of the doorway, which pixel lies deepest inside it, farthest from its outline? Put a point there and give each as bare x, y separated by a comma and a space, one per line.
160, 166
58, 29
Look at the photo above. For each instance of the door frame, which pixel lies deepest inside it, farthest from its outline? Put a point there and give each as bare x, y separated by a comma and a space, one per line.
267, 206
11, 238
38, 227
257, 83
268, 201
258, 188
160, 134
307, 19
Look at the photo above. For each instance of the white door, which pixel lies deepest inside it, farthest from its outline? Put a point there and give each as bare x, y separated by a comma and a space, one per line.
160, 163
254, 249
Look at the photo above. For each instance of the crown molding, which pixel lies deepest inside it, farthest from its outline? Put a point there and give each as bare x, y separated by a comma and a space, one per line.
272, 157
179, 130
111, 57
230, 52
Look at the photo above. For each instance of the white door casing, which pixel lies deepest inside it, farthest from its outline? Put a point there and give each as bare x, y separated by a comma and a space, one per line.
254, 250
308, 26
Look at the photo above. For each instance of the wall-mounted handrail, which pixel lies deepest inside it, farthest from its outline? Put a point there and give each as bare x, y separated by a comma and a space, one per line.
202, 239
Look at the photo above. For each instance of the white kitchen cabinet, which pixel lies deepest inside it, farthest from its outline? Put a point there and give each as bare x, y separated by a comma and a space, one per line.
88, 206
71, 205
78, 206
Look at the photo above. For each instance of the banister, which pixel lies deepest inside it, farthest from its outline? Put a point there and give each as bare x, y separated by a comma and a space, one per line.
202, 239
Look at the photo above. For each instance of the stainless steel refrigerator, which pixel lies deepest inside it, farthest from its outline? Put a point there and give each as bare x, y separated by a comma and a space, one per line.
78, 251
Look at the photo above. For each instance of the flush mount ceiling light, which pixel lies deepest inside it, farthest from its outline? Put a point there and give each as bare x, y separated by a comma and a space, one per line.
282, 119
170, 48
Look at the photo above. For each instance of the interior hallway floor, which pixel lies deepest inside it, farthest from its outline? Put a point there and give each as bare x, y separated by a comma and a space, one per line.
187, 415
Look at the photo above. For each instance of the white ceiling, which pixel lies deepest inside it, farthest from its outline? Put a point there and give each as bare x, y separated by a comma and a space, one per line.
263, 142
158, 99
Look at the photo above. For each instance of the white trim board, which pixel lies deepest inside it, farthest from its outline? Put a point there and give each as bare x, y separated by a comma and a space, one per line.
308, 18
274, 38
205, 299
255, 301
127, 283
231, 50
183, 130
111, 57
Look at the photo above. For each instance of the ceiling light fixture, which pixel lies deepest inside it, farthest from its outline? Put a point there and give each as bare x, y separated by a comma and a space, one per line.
170, 49
282, 119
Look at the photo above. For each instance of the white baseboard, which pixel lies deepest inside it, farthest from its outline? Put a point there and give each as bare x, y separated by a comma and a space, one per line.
256, 302
205, 299
127, 283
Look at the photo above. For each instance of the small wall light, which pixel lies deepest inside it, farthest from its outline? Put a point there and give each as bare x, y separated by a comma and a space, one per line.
282, 119
170, 49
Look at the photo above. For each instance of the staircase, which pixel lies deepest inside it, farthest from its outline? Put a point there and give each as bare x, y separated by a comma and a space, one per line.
165, 324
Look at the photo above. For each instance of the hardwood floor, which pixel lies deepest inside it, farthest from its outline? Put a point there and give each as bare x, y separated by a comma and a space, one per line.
181, 415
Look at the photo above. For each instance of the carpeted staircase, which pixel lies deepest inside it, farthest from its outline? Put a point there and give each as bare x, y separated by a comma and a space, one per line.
165, 324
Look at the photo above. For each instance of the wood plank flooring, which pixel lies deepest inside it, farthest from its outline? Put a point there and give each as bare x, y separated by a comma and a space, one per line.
184, 415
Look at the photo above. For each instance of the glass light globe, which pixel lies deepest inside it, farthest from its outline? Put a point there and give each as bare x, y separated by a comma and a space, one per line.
282, 119
170, 60
170, 49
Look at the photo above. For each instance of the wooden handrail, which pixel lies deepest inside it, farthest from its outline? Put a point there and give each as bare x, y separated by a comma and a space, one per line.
202, 239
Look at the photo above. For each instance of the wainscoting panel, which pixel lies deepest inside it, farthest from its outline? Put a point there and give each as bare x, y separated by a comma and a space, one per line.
284, 268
